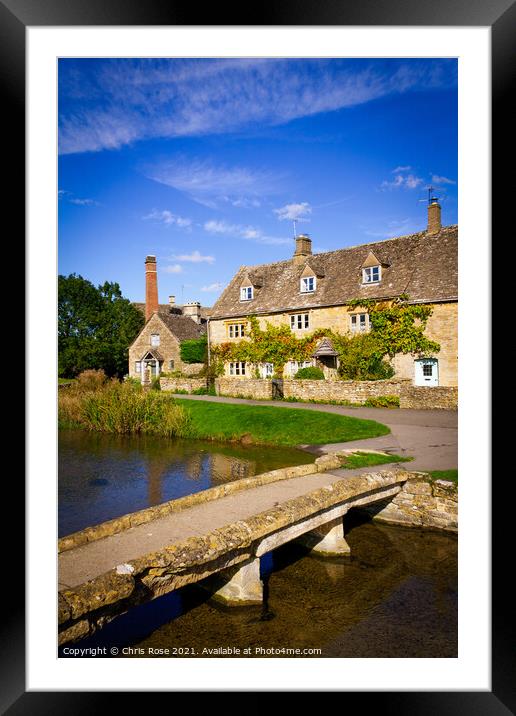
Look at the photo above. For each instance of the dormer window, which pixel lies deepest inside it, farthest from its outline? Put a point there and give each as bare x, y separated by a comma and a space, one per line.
246, 293
372, 274
308, 284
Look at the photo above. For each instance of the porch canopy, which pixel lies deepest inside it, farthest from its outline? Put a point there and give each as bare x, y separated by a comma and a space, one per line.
152, 353
325, 349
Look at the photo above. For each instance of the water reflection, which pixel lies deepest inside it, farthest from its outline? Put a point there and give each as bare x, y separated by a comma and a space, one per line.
105, 476
395, 597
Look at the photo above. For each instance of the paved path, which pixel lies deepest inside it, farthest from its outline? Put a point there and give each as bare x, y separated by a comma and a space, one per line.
430, 436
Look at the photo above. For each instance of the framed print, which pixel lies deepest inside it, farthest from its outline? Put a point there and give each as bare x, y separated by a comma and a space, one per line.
109, 139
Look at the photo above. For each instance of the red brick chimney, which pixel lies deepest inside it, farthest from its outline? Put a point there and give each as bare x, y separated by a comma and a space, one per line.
151, 287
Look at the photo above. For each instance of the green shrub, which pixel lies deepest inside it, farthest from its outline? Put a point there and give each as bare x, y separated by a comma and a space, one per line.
155, 384
361, 358
194, 351
383, 401
310, 373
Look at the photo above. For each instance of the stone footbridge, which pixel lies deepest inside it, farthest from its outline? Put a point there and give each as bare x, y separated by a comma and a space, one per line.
215, 537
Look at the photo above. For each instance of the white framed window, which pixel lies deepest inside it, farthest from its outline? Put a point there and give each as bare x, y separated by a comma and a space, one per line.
267, 370
237, 368
236, 330
372, 274
308, 284
299, 321
154, 339
246, 293
138, 366
359, 322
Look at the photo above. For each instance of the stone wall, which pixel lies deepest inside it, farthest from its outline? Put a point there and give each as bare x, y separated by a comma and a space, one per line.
422, 503
425, 398
179, 384
191, 369
254, 388
352, 391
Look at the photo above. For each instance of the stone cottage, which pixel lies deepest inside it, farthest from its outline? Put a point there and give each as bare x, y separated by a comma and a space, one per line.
312, 291
156, 349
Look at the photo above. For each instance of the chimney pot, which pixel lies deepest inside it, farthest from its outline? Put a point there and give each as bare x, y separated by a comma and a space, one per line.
171, 300
434, 217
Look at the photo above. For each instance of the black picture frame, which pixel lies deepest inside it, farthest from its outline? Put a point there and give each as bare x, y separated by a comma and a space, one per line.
500, 16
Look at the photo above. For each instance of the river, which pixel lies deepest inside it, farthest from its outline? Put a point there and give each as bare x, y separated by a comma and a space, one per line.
396, 596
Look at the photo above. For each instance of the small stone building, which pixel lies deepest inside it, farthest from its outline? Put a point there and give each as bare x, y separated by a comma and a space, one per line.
313, 291
156, 349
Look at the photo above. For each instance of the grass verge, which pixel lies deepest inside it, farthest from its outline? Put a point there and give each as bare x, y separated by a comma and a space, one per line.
450, 475
366, 459
274, 426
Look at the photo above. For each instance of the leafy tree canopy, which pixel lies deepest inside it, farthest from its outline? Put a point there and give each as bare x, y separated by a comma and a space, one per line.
96, 325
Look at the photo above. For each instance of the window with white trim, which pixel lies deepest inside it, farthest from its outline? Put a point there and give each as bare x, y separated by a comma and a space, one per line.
308, 284
237, 368
154, 339
246, 293
359, 322
372, 274
299, 321
236, 330
138, 366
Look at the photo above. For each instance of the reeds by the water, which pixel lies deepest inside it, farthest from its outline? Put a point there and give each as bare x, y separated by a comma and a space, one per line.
124, 408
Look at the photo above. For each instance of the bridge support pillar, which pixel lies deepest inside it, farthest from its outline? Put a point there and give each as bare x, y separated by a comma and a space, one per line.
328, 540
243, 585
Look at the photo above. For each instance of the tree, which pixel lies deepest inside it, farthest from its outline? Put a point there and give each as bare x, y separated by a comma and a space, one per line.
95, 327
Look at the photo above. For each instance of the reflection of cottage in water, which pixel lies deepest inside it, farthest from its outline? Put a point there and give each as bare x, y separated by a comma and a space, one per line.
225, 468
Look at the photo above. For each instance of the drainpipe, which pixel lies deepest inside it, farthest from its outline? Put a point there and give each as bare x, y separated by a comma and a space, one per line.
208, 341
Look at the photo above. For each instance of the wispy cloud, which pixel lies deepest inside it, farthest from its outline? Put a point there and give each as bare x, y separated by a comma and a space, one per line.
402, 180
115, 102
71, 199
294, 212
195, 257
174, 268
211, 185
396, 227
251, 233
169, 219
212, 287
436, 179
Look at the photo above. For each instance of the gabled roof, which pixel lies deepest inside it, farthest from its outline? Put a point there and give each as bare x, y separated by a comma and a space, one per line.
325, 348
420, 265
183, 327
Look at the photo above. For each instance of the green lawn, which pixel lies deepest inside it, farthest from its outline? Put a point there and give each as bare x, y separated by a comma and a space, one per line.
275, 426
364, 459
451, 475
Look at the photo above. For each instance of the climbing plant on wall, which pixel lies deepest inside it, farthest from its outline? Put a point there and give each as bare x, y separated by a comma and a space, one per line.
397, 327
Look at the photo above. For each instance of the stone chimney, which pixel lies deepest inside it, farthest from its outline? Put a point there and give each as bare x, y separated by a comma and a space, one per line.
151, 287
434, 217
171, 301
303, 249
193, 310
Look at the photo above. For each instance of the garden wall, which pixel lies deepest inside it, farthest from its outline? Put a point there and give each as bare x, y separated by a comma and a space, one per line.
353, 391
424, 398
254, 388
173, 385
192, 369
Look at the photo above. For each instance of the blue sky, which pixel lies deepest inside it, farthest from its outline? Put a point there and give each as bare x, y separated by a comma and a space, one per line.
205, 163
